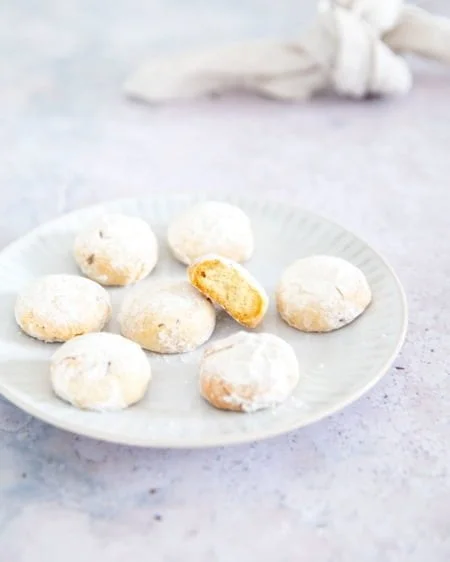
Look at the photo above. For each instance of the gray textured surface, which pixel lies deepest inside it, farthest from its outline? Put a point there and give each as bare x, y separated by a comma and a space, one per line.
371, 483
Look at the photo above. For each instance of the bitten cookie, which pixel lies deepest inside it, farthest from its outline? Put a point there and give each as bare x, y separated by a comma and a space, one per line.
116, 250
248, 372
322, 293
230, 286
100, 372
167, 316
211, 227
56, 308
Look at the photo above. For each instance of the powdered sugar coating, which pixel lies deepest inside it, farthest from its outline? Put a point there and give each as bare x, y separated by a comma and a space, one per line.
59, 307
211, 227
116, 250
248, 372
100, 371
322, 293
167, 316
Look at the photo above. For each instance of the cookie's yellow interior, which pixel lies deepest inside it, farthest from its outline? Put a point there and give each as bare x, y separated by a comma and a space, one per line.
226, 286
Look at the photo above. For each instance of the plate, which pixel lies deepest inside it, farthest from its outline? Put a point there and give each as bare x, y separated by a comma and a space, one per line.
336, 368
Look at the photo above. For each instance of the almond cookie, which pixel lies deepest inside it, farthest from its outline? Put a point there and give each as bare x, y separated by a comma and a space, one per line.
230, 286
56, 308
322, 293
116, 250
100, 371
167, 316
248, 372
211, 228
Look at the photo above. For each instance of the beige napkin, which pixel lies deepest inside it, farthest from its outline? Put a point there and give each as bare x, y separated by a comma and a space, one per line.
353, 47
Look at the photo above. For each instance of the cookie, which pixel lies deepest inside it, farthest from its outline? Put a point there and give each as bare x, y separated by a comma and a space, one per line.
211, 227
167, 316
56, 308
116, 250
100, 371
322, 293
229, 285
248, 372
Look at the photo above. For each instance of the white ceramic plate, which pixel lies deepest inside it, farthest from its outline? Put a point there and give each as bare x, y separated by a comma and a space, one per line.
337, 368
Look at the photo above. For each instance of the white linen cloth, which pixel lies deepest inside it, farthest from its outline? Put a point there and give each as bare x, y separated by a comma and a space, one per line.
354, 47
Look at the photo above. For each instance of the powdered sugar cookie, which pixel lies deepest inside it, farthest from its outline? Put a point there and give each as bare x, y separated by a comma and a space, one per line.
116, 250
322, 293
167, 316
211, 227
248, 372
59, 307
230, 286
100, 372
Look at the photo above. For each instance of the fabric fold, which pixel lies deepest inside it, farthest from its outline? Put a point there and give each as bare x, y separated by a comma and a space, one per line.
354, 47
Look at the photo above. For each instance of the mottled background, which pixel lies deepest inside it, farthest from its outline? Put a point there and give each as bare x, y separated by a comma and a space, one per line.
370, 484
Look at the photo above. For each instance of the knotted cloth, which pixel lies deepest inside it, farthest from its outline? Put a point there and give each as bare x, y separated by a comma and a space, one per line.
353, 48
